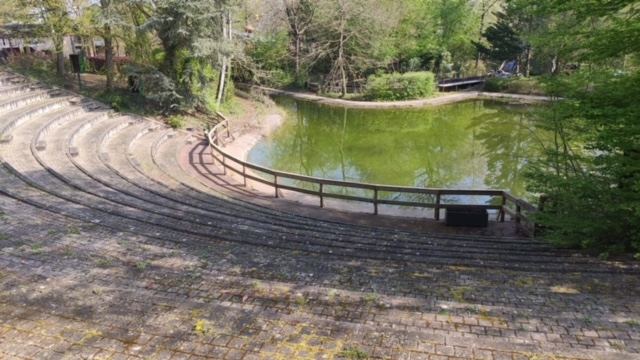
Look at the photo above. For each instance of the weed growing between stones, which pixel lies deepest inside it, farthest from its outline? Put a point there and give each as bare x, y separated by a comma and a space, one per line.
201, 328
459, 294
68, 252
371, 297
353, 352
73, 230
616, 345
105, 263
632, 322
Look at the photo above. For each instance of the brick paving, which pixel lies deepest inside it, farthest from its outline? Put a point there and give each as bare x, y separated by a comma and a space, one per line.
120, 252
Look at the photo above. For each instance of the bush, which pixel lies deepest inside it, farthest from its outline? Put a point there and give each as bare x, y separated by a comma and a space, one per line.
407, 86
525, 86
495, 85
176, 122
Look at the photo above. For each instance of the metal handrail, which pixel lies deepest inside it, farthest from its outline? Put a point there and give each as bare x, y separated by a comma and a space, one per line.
519, 209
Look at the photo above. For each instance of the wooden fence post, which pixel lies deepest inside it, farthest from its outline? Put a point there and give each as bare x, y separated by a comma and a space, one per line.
375, 201
224, 164
244, 174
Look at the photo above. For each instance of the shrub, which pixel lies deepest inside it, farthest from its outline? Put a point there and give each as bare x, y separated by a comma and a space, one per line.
176, 122
495, 85
407, 86
526, 86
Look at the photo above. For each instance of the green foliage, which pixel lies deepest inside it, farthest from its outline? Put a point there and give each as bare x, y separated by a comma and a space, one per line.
176, 122
271, 61
591, 171
352, 352
407, 86
495, 85
526, 86
191, 36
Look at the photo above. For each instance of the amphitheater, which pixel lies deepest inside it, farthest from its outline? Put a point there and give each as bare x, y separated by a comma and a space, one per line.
114, 244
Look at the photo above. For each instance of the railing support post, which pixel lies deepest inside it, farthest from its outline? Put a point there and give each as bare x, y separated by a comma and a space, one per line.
321, 197
224, 164
275, 185
437, 208
375, 201
244, 174
518, 211
504, 203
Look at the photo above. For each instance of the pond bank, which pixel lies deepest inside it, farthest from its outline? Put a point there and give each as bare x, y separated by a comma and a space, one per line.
442, 100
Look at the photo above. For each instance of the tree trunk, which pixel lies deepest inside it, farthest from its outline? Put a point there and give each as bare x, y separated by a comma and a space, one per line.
226, 34
554, 65
108, 56
108, 44
480, 34
297, 54
528, 62
343, 75
59, 47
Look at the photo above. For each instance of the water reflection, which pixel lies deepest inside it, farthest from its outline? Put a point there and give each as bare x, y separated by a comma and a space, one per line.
474, 145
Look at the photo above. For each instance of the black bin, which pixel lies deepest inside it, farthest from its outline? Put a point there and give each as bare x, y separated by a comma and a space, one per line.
476, 217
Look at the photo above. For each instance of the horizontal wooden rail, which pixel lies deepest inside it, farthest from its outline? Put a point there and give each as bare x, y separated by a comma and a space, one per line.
519, 210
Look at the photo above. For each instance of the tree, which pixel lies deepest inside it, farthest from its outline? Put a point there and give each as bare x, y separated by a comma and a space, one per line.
485, 8
193, 40
54, 22
352, 37
508, 38
592, 170
300, 16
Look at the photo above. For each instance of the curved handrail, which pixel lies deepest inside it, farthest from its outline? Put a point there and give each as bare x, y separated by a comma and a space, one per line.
518, 209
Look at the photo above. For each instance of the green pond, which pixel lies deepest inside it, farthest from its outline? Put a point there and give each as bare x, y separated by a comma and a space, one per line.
480, 144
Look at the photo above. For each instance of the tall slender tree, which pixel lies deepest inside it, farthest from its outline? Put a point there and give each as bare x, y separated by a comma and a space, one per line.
191, 34
54, 22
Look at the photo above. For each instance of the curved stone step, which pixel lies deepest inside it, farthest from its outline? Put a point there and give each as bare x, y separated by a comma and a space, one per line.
18, 116
108, 180
21, 99
518, 335
344, 246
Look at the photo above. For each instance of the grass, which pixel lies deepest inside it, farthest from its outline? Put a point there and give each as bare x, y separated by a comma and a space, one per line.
632, 322
141, 266
371, 297
587, 320
301, 301
91, 334
616, 345
73, 230
352, 352
105, 263
459, 294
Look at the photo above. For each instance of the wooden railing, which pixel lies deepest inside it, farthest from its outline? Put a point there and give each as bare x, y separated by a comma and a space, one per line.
519, 210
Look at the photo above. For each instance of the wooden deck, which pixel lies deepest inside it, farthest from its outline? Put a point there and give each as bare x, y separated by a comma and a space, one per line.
455, 84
